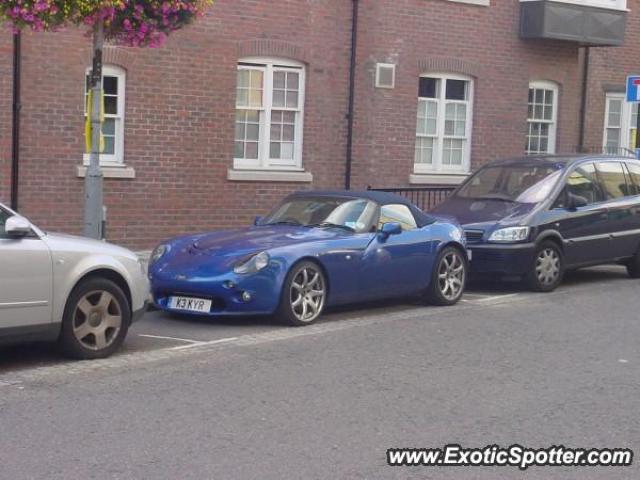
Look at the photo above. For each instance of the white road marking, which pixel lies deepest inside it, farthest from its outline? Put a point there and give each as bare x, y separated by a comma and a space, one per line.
498, 297
139, 358
186, 340
202, 344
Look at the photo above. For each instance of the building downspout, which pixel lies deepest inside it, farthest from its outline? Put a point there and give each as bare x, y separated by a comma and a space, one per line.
15, 134
583, 100
352, 88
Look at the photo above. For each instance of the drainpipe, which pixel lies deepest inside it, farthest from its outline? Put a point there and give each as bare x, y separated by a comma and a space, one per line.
583, 99
15, 140
352, 92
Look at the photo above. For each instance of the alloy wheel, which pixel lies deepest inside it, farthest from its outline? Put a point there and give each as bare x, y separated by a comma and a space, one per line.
548, 266
97, 320
451, 276
307, 294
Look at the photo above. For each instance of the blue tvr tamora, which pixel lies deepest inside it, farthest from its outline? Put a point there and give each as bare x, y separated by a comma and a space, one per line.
314, 250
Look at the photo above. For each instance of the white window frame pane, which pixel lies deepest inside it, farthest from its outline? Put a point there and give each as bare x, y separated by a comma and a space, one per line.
117, 158
264, 160
626, 127
438, 165
262, 121
552, 123
251, 68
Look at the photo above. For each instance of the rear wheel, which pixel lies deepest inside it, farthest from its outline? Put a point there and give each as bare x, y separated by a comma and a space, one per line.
547, 269
448, 278
303, 295
633, 267
96, 320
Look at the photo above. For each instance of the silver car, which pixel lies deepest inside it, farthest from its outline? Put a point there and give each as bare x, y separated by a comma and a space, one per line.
82, 293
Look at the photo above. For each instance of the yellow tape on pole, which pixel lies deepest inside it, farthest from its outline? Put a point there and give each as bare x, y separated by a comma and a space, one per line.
87, 123
88, 130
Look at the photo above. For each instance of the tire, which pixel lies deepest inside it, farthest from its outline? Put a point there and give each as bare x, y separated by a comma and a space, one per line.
96, 319
303, 296
547, 268
633, 267
448, 279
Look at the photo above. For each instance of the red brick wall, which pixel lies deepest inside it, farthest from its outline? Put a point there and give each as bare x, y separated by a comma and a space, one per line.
609, 67
179, 119
430, 36
180, 105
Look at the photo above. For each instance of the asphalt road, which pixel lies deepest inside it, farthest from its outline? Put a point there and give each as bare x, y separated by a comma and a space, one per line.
247, 398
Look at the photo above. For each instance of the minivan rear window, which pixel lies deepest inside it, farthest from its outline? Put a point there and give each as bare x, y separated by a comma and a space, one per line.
612, 179
513, 183
634, 170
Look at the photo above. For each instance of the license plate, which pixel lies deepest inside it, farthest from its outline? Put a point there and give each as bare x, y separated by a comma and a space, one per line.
190, 304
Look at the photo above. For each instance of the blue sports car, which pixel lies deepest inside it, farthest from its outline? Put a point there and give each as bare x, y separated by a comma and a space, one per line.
315, 249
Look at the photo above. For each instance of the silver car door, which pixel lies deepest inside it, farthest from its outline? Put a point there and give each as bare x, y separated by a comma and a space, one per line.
25, 280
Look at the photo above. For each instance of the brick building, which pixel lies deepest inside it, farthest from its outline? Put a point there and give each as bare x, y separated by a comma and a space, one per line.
252, 102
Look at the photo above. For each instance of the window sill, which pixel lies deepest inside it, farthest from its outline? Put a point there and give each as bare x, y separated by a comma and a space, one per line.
268, 176
437, 178
109, 172
484, 3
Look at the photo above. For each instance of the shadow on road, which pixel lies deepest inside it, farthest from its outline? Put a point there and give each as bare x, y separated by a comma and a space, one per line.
33, 355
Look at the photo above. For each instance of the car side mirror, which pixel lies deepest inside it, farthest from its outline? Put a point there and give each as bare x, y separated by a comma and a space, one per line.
576, 201
391, 228
257, 220
17, 226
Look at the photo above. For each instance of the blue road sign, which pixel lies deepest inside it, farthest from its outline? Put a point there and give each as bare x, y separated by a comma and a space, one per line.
633, 89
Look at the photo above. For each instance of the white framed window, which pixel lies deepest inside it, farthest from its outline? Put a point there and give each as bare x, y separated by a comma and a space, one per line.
443, 129
113, 87
269, 114
620, 121
542, 118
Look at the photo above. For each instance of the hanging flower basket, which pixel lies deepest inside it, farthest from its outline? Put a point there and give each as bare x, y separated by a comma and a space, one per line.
135, 23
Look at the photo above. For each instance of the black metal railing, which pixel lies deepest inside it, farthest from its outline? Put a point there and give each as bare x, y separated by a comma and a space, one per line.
424, 197
600, 150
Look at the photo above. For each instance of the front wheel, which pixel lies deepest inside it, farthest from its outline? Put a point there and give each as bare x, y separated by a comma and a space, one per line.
448, 278
303, 295
548, 268
96, 320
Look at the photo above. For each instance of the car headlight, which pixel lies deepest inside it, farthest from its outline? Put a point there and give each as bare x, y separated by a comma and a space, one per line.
253, 264
158, 253
510, 235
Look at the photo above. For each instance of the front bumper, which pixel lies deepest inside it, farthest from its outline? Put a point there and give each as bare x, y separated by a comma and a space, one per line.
501, 259
138, 314
225, 292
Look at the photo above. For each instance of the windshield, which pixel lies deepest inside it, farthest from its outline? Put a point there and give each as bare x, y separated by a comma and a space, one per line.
512, 183
326, 212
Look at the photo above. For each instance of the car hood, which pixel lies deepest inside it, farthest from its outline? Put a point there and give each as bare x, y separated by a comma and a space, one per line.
254, 239
471, 211
60, 242
220, 251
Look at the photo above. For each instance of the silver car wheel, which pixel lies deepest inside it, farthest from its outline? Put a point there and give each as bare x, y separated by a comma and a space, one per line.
307, 294
451, 276
97, 320
548, 266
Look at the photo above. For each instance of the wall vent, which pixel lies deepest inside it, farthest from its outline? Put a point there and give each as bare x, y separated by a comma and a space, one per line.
385, 75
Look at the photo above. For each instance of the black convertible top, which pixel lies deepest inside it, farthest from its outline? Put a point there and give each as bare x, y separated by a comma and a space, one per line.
381, 198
